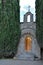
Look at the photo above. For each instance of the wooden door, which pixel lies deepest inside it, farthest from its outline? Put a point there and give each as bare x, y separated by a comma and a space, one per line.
28, 43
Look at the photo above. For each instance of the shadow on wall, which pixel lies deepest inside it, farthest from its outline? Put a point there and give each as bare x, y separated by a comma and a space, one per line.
41, 53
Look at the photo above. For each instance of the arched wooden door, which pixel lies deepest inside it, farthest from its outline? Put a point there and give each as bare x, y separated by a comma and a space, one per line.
28, 43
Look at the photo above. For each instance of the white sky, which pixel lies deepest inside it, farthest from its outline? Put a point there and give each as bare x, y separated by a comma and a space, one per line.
24, 8
27, 2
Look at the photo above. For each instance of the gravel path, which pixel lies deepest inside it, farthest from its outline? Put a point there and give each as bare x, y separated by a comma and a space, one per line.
20, 62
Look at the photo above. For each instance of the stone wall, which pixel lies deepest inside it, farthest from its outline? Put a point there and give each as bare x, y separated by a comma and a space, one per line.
28, 29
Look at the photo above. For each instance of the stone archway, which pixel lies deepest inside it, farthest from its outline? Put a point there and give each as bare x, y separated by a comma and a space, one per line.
26, 16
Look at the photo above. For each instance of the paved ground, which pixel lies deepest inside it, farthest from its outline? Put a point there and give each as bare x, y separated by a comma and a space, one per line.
20, 62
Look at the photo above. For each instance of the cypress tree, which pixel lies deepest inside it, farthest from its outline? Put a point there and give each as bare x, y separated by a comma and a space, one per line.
9, 26
39, 21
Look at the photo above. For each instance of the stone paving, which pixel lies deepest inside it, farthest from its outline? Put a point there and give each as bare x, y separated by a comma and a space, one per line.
19, 62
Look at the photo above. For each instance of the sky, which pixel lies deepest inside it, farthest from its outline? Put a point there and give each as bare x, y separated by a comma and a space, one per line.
24, 7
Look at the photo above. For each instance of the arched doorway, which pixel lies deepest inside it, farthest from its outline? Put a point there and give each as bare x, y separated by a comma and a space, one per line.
28, 43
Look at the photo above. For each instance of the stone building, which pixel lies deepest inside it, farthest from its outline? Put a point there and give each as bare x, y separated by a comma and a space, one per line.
28, 47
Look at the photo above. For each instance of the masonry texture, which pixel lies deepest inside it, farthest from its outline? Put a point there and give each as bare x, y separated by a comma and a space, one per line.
28, 29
